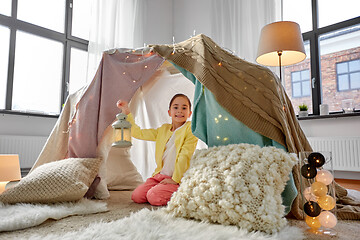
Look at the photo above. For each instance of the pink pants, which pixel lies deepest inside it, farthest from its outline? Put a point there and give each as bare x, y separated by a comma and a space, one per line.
153, 192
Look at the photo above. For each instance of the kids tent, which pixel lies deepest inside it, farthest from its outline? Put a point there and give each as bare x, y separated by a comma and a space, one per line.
234, 101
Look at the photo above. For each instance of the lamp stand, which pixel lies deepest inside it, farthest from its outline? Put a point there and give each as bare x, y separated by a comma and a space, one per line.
279, 54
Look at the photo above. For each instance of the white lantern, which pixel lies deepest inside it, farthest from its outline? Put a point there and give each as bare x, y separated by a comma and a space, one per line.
122, 132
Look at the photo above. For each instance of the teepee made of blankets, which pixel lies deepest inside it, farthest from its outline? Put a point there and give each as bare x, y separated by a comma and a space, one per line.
252, 94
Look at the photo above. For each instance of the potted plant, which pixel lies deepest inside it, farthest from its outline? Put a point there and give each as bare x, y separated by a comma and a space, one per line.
303, 110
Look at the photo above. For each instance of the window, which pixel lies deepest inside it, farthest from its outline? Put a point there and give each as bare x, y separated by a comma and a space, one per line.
4, 57
348, 75
300, 83
301, 73
43, 53
338, 10
78, 68
34, 12
34, 83
332, 44
5, 7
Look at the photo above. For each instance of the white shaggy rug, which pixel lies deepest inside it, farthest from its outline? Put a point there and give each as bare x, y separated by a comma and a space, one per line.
147, 224
25, 215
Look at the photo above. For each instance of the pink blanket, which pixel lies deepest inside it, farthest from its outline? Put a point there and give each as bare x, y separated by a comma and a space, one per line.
118, 77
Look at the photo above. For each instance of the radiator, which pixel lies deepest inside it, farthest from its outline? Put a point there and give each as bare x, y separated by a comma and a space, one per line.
345, 151
28, 148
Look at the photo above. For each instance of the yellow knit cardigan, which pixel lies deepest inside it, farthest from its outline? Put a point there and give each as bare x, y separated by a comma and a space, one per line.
185, 143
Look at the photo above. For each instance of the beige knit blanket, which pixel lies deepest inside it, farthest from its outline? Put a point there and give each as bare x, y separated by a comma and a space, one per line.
251, 93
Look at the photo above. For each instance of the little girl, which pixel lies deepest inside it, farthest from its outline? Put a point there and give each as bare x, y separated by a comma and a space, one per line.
175, 144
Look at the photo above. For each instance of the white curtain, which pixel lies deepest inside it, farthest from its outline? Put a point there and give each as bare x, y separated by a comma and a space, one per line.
236, 25
114, 24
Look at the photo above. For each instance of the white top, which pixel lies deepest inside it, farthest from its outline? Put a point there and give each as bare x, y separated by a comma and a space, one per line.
169, 156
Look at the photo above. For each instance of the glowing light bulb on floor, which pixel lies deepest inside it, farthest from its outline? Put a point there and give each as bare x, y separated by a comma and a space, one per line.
313, 222
319, 189
309, 196
327, 219
326, 202
312, 209
324, 176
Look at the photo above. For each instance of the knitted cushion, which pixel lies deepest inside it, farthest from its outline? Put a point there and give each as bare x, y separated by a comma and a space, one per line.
63, 180
237, 184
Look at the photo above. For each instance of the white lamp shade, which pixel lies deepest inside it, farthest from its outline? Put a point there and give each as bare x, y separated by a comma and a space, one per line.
9, 168
284, 36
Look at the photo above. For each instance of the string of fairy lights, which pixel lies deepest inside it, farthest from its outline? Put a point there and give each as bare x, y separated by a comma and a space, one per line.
175, 48
320, 195
143, 56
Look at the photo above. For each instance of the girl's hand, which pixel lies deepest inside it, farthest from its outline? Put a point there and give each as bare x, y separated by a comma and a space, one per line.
123, 105
168, 181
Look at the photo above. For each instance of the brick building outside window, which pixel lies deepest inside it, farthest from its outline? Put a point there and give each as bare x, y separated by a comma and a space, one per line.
340, 72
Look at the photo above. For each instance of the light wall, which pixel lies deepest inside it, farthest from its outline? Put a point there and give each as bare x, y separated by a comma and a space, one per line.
190, 15
26, 125
159, 24
327, 127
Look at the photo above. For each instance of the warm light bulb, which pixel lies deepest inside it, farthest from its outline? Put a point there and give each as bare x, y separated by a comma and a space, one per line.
312, 209
313, 222
327, 219
3, 186
319, 189
326, 202
316, 159
324, 176
308, 171
309, 196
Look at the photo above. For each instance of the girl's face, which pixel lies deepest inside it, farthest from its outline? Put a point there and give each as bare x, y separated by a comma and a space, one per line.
179, 110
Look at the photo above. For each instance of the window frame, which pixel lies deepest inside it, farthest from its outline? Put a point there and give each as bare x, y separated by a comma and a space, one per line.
348, 73
301, 84
313, 37
65, 38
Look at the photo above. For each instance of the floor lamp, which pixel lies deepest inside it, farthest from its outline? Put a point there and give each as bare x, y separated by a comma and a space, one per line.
280, 44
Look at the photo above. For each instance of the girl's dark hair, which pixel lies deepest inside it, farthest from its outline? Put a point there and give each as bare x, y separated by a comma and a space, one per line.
179, 95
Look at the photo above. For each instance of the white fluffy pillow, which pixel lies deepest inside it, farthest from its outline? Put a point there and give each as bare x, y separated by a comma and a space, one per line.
59, 181
238, 184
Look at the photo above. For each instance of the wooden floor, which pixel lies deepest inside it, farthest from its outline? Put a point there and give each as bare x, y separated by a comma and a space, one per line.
347, 183
350, 184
